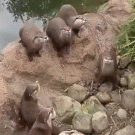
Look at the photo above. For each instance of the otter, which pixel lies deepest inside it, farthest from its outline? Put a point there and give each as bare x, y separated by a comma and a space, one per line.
69, 14
107, 67
29, 108
32, 39
61, 35
43, 123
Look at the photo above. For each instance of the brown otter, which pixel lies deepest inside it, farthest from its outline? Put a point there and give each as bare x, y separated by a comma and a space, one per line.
69, 14
60, 34
43, 123
29, 108
32, 39
107, 67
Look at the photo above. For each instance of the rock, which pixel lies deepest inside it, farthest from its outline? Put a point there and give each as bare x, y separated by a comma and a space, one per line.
103, 97
82, 122
92, 105
128, 99
111, 108
106, 87
58, 127
66, 108
124, 61
123, 81
115, 97
71, 132
120, 72
131, 81
129, 130
77, 92
100, 121
131, 67
122, 114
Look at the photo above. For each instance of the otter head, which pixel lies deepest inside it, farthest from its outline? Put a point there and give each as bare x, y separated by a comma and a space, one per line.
65, 34
107, 66
40, 39
78, 22
30, 92
46, 116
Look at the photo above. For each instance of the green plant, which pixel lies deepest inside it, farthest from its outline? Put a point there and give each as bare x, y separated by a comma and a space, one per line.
126, 39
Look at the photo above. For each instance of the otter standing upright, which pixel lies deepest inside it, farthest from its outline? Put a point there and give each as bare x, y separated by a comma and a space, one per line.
43, 123
60, 34
29, 108
32, 39
107, 67
69, 14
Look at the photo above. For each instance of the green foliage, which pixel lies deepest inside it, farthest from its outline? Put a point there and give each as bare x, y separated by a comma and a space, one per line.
126, 39
47, 8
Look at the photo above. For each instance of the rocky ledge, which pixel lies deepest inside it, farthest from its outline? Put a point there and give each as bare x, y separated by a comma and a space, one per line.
67, 83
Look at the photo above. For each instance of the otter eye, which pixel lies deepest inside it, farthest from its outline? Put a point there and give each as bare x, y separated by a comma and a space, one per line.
45, 120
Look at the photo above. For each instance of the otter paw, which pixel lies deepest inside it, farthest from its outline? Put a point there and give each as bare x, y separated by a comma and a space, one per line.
39, 55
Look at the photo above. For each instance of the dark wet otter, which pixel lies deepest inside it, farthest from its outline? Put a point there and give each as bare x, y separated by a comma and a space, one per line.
60, 34
32, 39
43, 123
107, 67
69, 14
29, 108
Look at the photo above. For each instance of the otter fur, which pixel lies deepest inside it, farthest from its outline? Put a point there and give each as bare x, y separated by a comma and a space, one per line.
107, 67
43, 123
60, 33
29, 108
69, 14
32, 39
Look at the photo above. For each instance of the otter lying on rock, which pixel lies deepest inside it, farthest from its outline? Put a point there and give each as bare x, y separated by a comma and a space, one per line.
60, 33
69, 14
32, 39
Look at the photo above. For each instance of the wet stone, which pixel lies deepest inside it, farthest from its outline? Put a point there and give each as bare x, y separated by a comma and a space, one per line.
82, 122
92, 105
103, 97
66, 108
124, 61
129, 130
115, 97
123, 82
131, 81
131, 67
58, 127
128, 99
77, 92
122, 114
106, 87
100, 121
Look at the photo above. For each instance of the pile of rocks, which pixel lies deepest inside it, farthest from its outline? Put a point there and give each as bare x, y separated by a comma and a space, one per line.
103, 113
